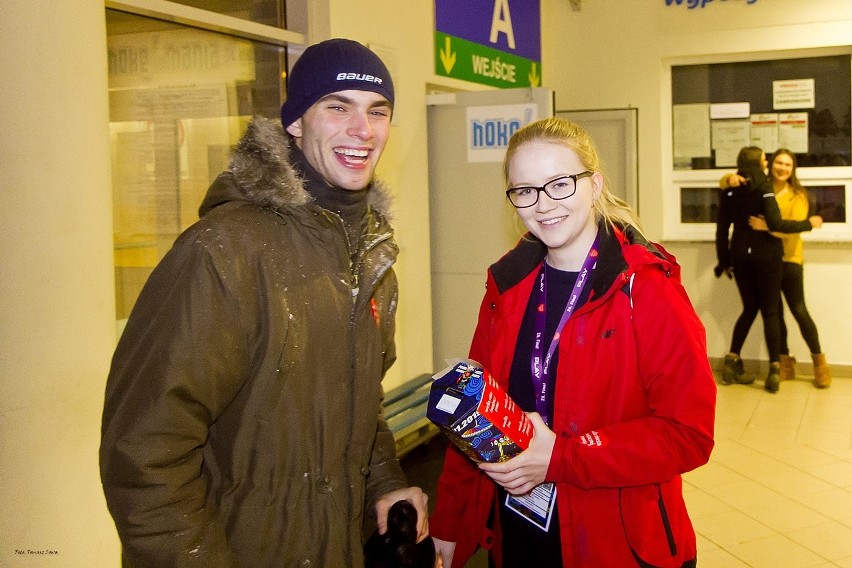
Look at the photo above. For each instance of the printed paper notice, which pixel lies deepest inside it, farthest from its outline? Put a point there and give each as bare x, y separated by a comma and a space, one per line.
793, 131
730, 110
729, 137
691, 132
793, 94
764, 131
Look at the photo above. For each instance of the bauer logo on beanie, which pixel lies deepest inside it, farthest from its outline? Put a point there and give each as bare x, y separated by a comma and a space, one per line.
330, 66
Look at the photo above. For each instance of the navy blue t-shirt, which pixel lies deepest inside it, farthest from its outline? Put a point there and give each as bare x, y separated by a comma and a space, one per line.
523, 543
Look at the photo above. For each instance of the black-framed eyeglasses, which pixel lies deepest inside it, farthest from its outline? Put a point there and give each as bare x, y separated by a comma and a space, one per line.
559, 188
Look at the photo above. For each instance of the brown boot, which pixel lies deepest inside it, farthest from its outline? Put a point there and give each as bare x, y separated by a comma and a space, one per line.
788, 367
822, 374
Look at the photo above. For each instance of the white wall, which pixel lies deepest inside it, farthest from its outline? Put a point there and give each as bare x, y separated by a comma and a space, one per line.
405, 30
57, 316
600, 57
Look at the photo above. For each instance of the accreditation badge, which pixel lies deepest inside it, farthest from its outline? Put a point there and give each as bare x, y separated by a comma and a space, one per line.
536, 506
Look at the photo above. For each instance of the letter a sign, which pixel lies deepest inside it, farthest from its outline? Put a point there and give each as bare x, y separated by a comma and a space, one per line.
492, 42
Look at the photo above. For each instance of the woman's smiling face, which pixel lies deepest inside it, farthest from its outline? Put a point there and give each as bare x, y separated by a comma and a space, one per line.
566, 226
782, 167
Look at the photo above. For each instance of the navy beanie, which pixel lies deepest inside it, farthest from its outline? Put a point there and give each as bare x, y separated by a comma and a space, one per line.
330, 66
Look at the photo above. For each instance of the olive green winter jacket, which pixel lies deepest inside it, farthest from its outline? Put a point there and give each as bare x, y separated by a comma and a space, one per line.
242, 424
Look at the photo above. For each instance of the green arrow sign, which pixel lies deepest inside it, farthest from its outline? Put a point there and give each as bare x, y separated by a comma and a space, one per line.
462, 59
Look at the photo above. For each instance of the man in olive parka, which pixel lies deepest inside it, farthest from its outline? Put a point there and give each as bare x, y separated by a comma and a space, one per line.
242, 422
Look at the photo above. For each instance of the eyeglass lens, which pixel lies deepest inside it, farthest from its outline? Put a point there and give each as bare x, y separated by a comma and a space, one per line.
560, 188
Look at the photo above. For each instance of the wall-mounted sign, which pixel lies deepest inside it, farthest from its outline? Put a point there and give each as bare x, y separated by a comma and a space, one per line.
177, 58
490, 127
691, 4
491, 42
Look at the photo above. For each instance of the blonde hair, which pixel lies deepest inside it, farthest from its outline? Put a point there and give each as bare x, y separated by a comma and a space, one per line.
614, 210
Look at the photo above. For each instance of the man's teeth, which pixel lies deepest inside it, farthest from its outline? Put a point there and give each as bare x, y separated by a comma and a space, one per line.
351, 152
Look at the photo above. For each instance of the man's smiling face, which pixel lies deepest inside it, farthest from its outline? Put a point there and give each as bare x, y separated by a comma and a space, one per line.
343, 135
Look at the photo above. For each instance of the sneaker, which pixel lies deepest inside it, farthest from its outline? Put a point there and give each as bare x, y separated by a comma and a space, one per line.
773, 379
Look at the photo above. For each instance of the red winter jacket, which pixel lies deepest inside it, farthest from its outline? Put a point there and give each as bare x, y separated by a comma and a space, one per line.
634, 408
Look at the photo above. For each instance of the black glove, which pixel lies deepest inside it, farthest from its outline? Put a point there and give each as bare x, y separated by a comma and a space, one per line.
719, 270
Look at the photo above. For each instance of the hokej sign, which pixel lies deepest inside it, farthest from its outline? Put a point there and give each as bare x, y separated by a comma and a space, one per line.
493, 42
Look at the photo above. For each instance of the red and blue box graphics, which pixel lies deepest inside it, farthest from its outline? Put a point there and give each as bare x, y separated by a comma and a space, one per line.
478, 416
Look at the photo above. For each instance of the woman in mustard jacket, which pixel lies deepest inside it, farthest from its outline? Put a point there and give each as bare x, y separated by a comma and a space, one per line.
622, 398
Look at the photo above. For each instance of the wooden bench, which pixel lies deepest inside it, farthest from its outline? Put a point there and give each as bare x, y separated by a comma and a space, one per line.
405, 413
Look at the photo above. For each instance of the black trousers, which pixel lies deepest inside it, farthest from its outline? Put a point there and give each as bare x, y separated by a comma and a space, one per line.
759, 283
793, 287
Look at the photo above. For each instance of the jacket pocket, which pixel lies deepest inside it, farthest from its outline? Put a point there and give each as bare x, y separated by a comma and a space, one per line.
654, 519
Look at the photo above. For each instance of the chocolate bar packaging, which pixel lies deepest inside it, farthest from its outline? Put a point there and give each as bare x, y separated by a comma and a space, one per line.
476, 414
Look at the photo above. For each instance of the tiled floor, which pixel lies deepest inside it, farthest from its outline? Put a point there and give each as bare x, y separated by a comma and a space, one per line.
777, 491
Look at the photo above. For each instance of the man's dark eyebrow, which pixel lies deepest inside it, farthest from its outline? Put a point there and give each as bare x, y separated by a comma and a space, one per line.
336, 97
347, 100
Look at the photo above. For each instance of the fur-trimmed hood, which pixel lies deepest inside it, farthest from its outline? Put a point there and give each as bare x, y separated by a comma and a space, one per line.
261, 172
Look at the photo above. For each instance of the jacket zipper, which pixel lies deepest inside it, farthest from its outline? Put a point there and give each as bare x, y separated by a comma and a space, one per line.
666, 523
664, 517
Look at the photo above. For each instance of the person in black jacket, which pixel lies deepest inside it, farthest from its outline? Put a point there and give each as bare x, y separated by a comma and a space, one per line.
753, 258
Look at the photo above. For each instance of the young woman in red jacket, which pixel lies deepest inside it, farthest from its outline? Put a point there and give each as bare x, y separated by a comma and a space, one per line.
586, 324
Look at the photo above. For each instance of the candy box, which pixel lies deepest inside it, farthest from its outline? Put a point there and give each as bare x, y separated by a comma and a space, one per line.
476, 414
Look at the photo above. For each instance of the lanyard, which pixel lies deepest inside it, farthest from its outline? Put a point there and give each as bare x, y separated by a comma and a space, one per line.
540, 361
